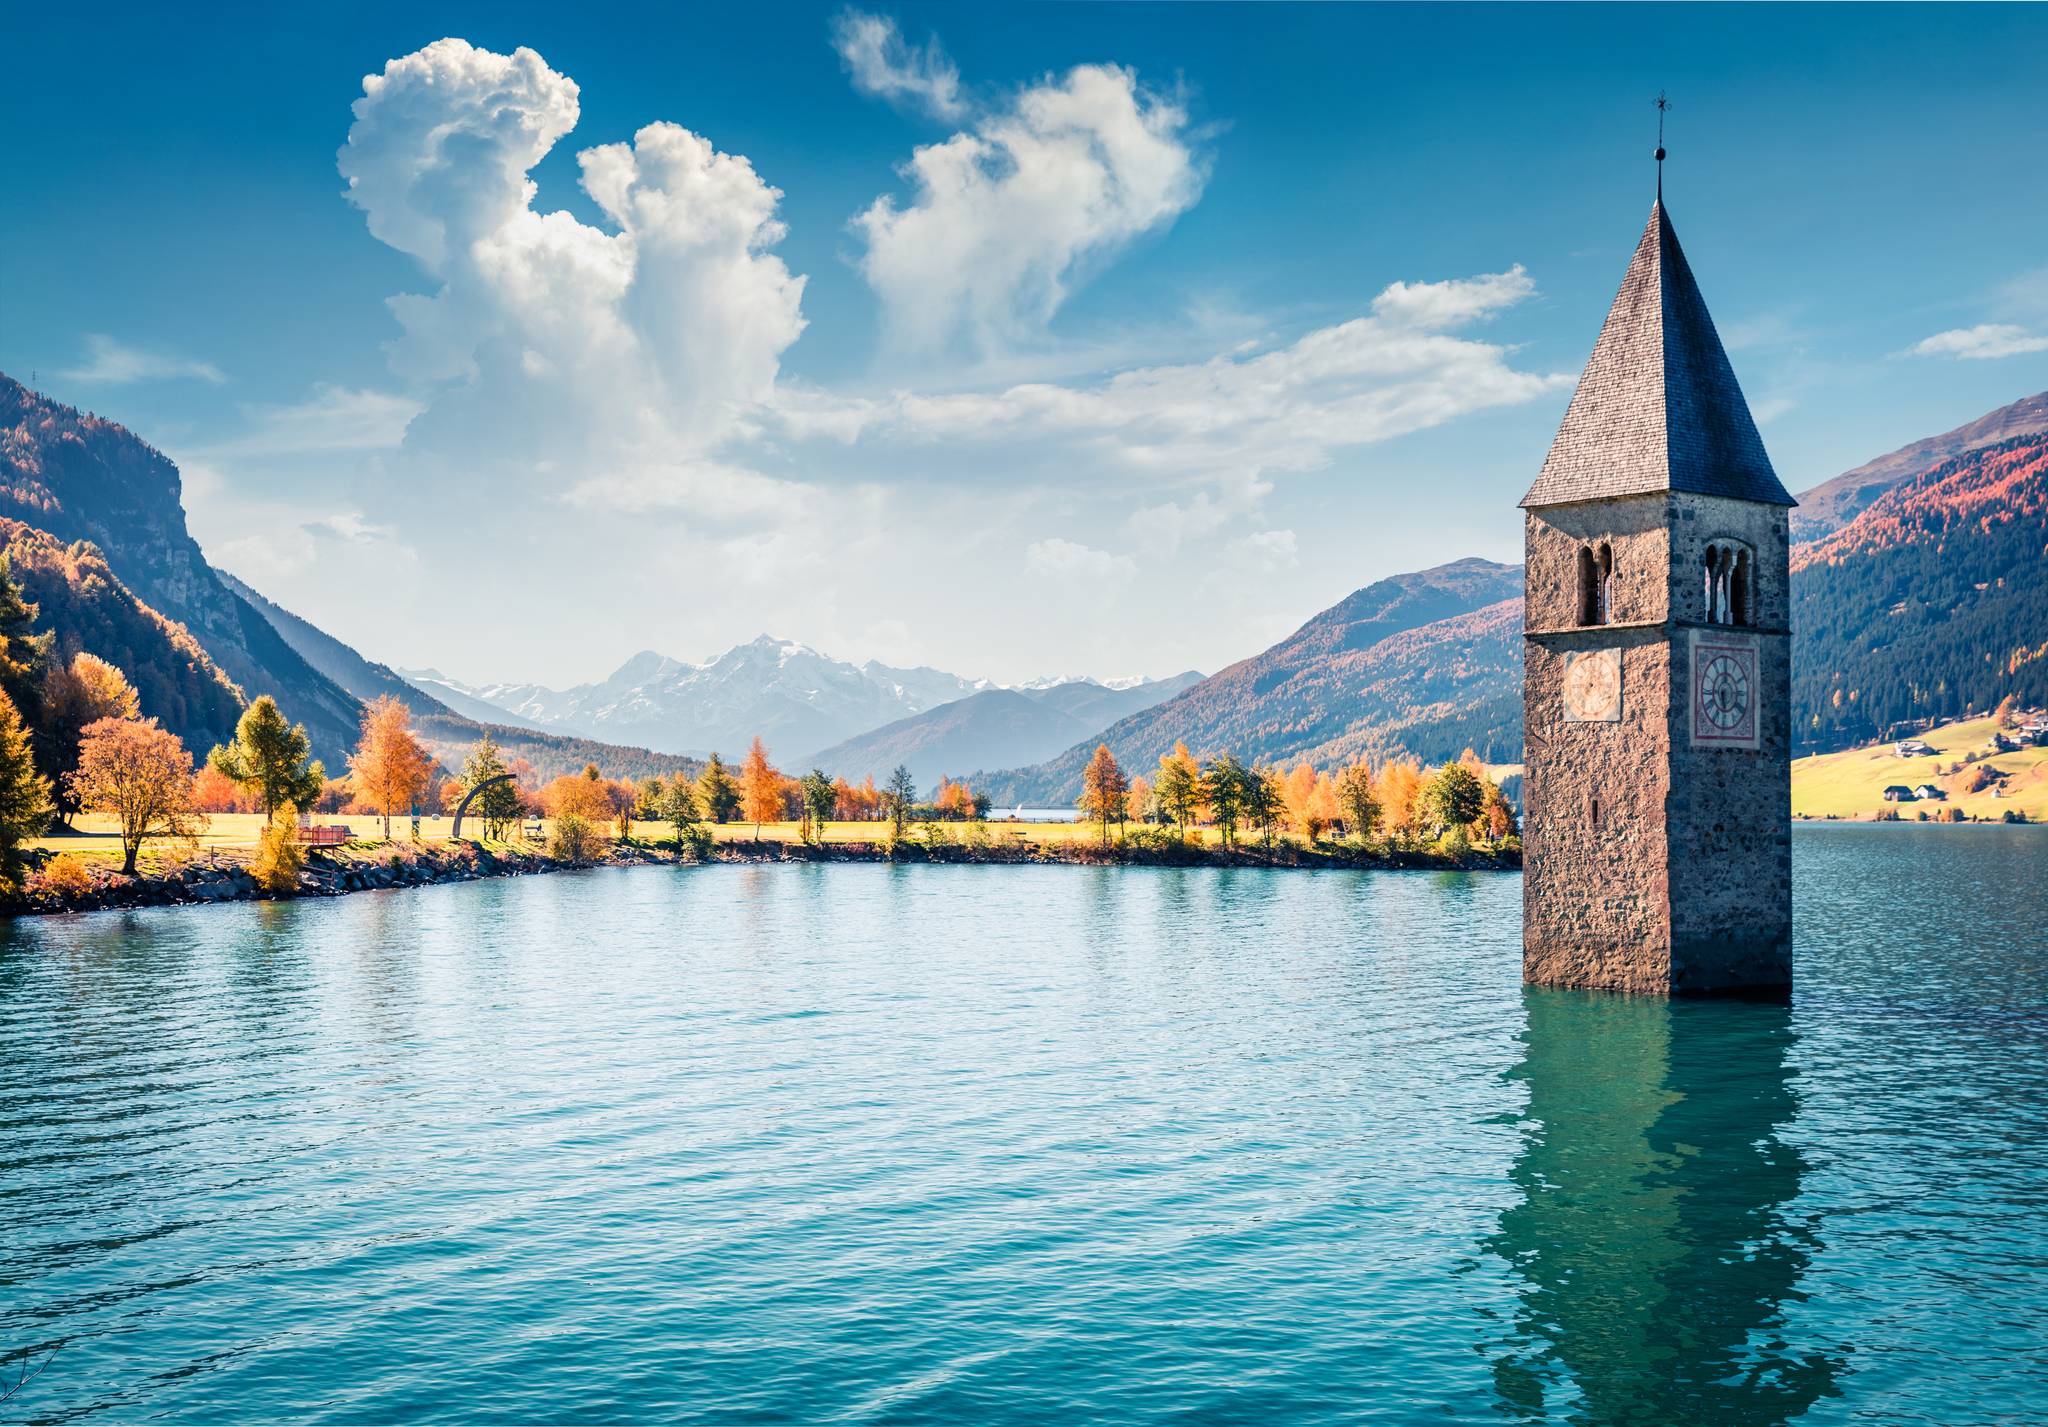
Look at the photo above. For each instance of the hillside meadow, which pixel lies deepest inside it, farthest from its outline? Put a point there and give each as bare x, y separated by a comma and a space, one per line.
1851, 784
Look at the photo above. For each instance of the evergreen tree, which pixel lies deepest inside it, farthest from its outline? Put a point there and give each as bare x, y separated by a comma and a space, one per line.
23, 653
498, 804
1355, 796
1265, 801
718, 792
900, 795
24, 793
1225, 787
819, 799
271, 759
679, 808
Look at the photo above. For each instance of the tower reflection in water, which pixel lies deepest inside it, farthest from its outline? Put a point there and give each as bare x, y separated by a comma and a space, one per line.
1654, 1236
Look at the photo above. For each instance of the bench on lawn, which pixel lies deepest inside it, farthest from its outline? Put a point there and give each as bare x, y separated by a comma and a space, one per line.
324, 835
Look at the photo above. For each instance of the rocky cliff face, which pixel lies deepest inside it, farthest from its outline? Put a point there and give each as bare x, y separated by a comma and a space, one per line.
81, 477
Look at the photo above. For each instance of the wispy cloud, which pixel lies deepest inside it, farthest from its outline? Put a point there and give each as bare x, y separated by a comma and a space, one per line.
1067, 559
1980, 343
333, 418
111, 363
1243, 412
883, 65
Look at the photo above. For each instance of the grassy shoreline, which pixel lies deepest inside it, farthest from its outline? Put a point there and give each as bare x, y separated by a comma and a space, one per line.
217, 868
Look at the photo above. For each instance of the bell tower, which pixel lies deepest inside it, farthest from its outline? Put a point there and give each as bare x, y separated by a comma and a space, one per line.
1657, 662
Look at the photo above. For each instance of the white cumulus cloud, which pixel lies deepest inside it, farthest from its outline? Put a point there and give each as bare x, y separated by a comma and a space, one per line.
551, 343
1990, 339
1003, 219
883, 65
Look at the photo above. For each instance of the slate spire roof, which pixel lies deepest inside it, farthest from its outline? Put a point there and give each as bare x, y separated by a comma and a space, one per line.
1658, 408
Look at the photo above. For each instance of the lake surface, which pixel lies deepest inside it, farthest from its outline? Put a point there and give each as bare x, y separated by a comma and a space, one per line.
859, 1143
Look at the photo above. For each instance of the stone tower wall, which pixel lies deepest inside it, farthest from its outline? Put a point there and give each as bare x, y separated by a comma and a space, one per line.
1731, 808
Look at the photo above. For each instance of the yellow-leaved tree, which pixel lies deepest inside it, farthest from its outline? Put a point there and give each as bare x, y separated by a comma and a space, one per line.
389, 768
760, 787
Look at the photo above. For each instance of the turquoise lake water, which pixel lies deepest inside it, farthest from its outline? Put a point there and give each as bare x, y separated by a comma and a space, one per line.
1005, 1145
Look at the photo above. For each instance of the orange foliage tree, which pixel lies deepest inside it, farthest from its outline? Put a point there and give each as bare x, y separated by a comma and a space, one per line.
389, 768
1105, 792
141, 776
761, 793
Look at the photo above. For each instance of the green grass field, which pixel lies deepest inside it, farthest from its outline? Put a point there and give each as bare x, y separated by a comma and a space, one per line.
1851, 784
235, 833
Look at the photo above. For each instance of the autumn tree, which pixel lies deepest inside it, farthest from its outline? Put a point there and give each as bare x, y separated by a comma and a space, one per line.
899, 797
271, 759
956, 800
1303, 809
1357, 801
1178, 786
586, 795
1141, 805
23, 652
2006, 714
820, 797
390, 769
760, 787
1224, 787
1400, 782
75, 694
25, 806
141, 776
717, 791
484, 773
1105, 792
1499, 815
623, 799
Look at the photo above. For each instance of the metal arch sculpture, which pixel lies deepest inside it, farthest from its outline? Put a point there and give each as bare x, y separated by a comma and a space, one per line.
455, 833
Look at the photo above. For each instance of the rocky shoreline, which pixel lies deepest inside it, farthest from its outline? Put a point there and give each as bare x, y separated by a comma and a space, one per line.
335, 872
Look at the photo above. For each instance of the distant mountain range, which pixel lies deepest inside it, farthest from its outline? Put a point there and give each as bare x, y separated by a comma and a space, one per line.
1919, 594
995, 728
1416, 663
796, 699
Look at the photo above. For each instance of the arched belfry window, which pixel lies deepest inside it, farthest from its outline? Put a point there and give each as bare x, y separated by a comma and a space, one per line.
1726, 576
1596, 584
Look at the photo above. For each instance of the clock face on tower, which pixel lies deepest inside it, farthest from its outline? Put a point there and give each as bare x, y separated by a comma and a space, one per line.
1724, 690
1592, 686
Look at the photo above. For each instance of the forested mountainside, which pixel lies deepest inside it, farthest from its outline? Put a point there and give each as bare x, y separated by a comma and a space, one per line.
80, 477
1426, 664
1931, 603
81, 601
1830, 506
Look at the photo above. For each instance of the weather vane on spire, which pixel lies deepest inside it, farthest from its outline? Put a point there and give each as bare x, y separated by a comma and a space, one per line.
1663, 108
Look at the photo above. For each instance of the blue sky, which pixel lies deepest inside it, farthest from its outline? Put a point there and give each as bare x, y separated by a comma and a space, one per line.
1118, 385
